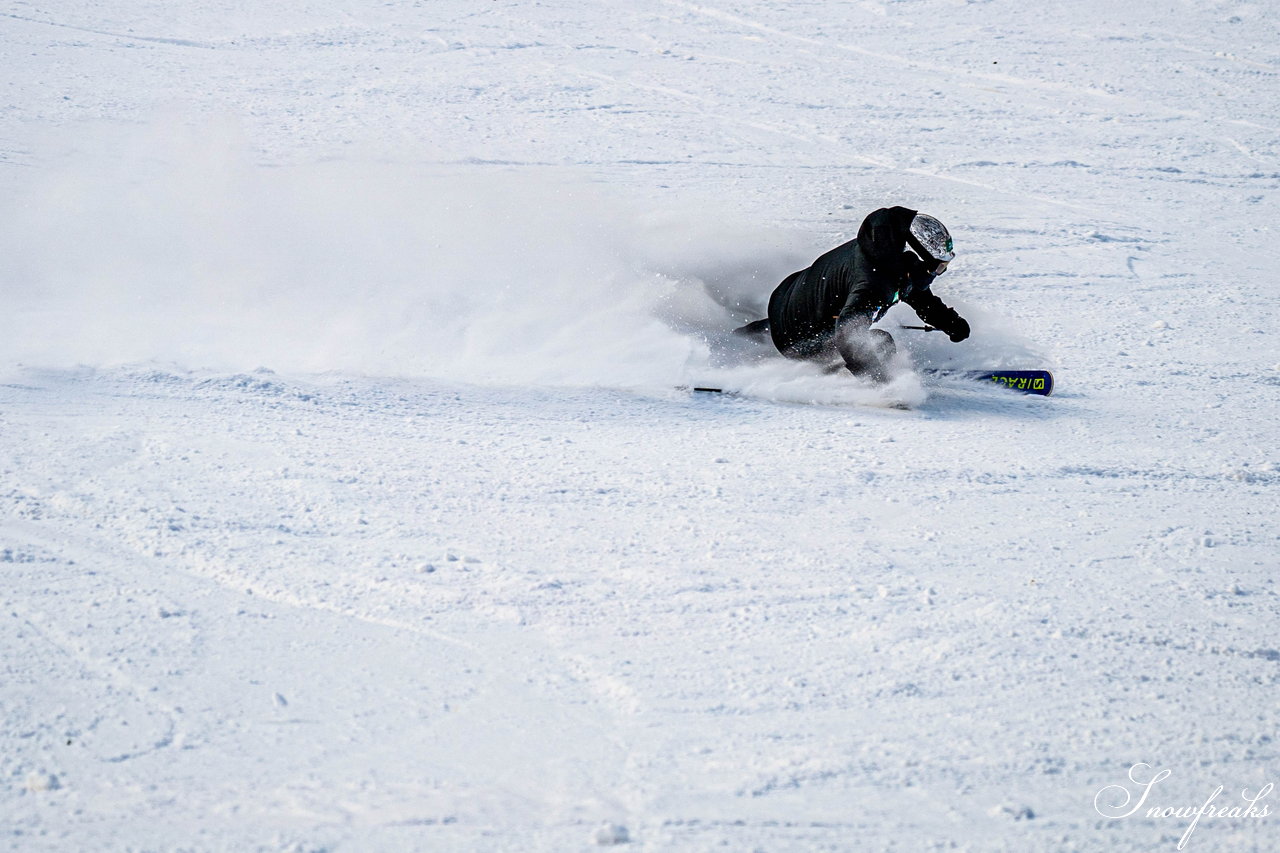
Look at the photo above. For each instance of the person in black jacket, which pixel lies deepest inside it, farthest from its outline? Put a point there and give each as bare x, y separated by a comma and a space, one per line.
826, 311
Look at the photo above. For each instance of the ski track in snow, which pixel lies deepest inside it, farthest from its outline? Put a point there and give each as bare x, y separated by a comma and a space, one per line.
425, 587
718, 654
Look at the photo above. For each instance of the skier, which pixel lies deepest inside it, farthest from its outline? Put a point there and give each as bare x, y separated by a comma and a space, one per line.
825, 312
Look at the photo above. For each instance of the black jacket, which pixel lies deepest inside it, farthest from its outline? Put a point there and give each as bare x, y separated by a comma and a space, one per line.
849, 287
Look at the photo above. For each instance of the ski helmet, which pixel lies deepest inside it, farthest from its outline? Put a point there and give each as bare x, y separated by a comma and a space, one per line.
930, 239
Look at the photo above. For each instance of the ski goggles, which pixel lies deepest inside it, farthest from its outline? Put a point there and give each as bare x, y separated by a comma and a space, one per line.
940, 268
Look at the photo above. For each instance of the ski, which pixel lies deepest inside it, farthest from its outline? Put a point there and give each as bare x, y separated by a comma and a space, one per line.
1026, 381
1038, 382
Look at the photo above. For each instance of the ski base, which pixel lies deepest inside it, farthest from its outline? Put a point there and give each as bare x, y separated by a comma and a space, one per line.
1026, 381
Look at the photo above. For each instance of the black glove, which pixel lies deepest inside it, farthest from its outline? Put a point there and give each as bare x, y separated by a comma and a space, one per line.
957, 329
936, 313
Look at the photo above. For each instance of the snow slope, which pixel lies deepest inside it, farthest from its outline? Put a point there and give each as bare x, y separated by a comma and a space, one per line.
347, 500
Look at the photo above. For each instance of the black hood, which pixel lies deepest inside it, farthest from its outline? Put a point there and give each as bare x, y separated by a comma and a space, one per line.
883, 235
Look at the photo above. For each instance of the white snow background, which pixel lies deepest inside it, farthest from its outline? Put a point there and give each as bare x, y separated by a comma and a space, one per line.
348, 500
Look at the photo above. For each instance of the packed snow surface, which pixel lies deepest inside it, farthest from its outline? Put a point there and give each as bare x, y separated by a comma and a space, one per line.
350, 499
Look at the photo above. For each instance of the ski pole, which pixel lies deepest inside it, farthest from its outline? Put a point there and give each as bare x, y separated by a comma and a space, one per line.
921, 328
